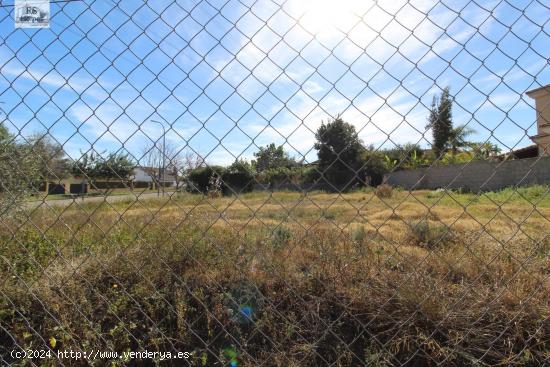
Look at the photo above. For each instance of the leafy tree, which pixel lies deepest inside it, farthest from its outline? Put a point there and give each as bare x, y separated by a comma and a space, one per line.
440, 121
450, 158
85, 165
19, 172
390, 163
416, 160
93, 166
484, 150
295, 175
339, 150
309, 175
238, 177
272, 157
115, 166
458, 136
376, 165
50, 157
4, 133
409, 155
478, 151
410, 149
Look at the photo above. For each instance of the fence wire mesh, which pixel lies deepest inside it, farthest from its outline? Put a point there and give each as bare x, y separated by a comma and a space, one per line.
275, 183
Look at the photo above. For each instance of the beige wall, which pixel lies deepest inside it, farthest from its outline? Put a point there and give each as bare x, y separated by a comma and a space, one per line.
542, 105
544, 144
476, 175
543, 110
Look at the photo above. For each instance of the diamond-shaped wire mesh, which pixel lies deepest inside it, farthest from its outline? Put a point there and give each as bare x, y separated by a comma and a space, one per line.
286, 183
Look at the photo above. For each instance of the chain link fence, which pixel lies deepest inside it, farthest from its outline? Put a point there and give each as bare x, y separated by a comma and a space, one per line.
275, 183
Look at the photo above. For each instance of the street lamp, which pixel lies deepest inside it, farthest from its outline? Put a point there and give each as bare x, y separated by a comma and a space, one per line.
163, 157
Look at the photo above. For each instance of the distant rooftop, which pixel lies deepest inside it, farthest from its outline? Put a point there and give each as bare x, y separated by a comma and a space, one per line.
534, 92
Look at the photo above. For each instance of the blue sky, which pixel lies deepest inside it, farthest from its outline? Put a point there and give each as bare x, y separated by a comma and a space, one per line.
229, 76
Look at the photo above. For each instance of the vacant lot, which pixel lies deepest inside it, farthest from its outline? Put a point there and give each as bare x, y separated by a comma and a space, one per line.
285, 279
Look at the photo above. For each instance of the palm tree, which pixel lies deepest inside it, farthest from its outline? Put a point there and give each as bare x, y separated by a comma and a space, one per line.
457, 137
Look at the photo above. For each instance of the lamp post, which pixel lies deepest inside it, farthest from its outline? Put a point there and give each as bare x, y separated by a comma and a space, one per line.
163, 157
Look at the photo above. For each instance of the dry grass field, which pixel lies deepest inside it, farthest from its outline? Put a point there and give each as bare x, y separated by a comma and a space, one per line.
420, 278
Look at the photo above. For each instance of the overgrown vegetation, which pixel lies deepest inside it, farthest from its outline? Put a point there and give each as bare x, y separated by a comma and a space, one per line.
25, 165
384, 191
276, 282
430, 235
235, 179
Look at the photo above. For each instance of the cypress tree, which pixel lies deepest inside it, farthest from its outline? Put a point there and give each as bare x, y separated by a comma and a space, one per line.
440, 121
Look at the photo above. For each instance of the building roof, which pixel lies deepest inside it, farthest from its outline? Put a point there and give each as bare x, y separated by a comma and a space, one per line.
533, 93
530, 151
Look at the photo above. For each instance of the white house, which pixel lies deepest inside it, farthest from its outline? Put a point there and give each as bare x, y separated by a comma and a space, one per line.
150, 175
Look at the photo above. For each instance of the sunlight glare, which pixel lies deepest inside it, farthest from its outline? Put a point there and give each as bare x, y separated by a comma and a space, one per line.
324, 15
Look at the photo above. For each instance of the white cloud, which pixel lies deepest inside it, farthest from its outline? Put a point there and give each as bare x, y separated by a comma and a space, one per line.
419, 32
53, 79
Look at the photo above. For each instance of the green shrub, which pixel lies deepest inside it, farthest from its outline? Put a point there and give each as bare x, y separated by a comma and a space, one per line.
342, 179
358, 234
375, 166
238, 178
328, 215
281, 237
532, 194
310, 175
199, 178
281, 175
455, 158
421, 233
384, 191
16, 184
409, 155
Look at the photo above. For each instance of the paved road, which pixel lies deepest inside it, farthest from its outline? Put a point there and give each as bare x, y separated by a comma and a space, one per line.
92, 199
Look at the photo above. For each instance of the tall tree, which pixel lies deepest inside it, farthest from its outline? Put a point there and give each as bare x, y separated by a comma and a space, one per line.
339, 150
338, 145
440, 121
50, 157
458, 137
272, 157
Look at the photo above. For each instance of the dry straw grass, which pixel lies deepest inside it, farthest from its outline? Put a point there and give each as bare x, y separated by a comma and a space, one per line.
415, 279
